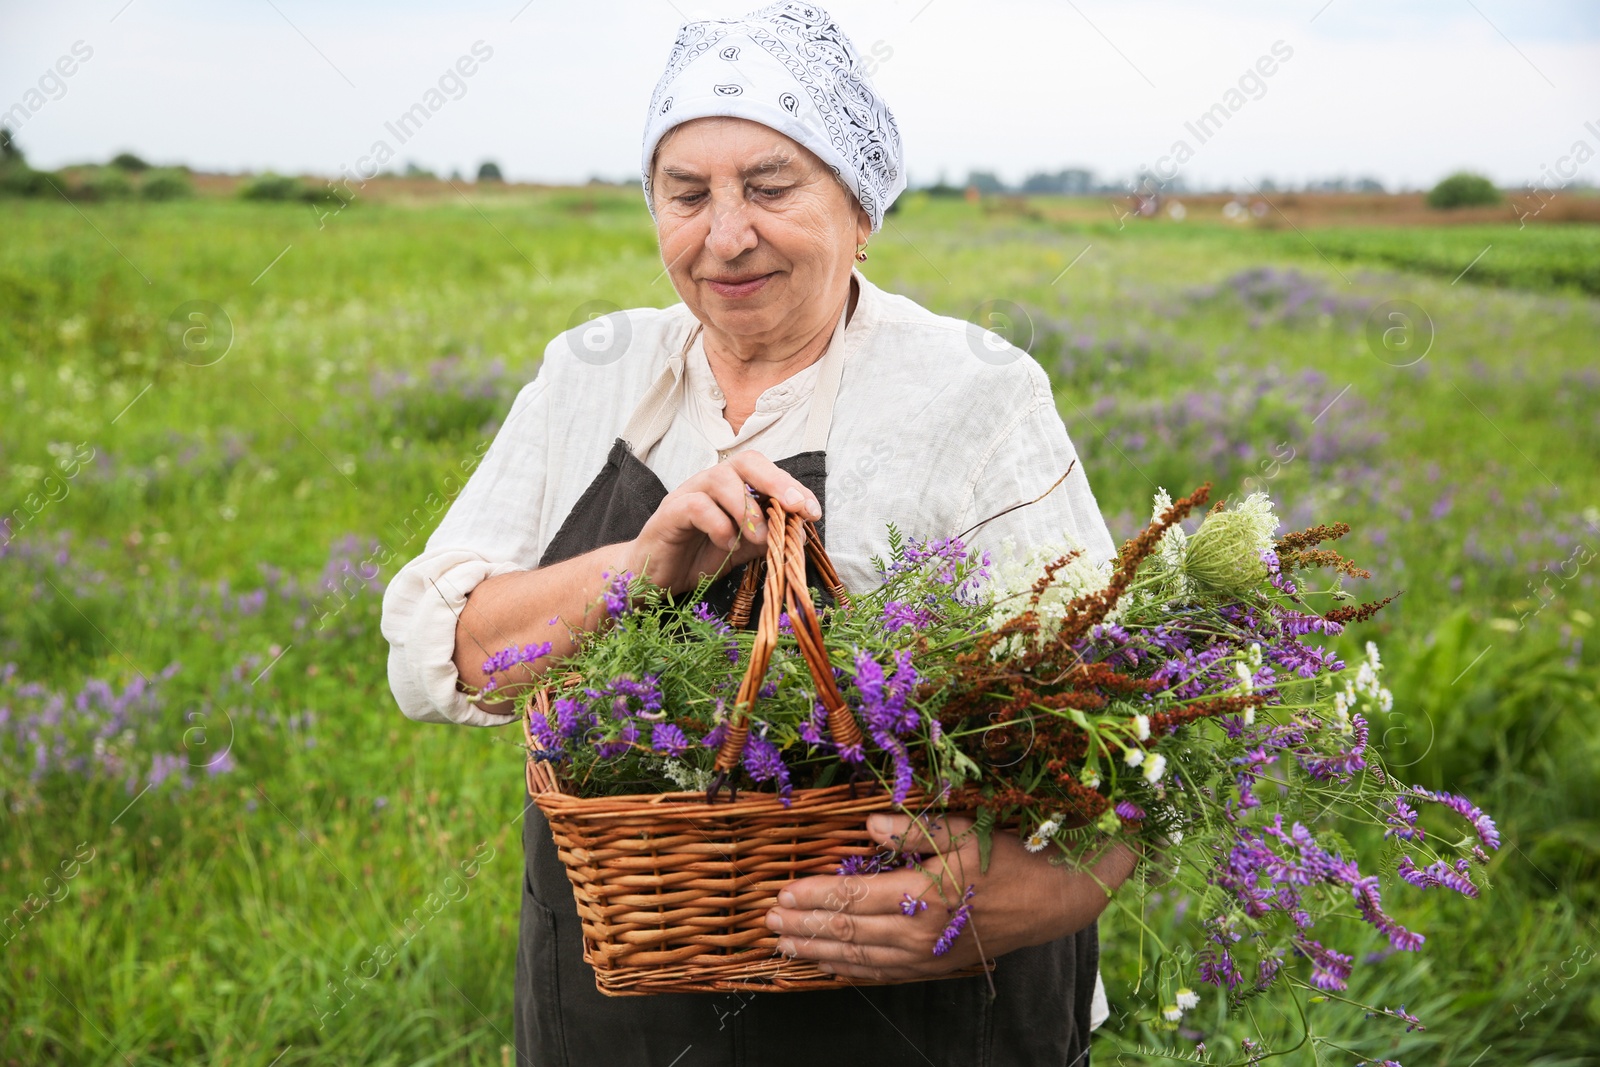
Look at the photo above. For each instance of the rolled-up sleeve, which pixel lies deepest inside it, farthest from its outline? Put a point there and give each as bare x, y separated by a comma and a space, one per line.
492, 528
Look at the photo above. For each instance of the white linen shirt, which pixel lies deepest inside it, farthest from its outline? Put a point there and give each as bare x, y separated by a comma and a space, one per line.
938, 425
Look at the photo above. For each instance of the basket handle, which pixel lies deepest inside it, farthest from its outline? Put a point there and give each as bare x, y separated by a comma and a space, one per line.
750, 581
790, 539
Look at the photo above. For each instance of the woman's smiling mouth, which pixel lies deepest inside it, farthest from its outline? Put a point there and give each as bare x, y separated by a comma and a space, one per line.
735, 288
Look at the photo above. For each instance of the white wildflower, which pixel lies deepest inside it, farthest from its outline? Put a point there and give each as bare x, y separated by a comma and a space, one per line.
1172, 1013
1090, 777
1263, 524
688, 779
1372, 656
1012, 587
1385, 700
1252, 655
1133, 757
1155, 767
1366, 680
1141, 727
1041, 837
1247, 681
1169, 554
1188, 999
1250, 715
1225, 554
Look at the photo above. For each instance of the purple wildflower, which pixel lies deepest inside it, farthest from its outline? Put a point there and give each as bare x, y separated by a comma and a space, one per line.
1365, 891
615, 597
1280, 581
878, 861
814, 730
507, 658
910, 905
703, 612
1438, 874
572, 716
1330, 970
958, 922
625, 740
763, 760
1411, 1021
1403, 823
1267, 971
716, 736
1345, 764
887, 713
1487, 832
668, 739
897, 615
1216, 966
544, 735
1128, 811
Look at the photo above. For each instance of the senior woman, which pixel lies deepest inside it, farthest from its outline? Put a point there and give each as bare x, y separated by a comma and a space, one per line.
769, 161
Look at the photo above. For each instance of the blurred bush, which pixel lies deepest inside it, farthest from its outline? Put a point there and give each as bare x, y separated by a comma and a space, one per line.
23, 180
129, 162
166, 183
489, 171
270, 186
1463, 189
102, 183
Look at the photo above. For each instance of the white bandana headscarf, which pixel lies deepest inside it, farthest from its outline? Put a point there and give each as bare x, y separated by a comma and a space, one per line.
788, 67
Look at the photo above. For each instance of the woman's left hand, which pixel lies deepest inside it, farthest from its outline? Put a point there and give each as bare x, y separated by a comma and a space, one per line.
854, 925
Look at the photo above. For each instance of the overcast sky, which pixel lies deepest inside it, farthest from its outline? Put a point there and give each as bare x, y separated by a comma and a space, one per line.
1402, 90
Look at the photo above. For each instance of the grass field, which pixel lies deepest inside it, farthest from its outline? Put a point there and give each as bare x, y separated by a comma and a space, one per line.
224, 844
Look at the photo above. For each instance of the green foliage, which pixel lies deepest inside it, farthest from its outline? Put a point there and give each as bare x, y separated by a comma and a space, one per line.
1538, 257
22, 180
169, 183
1463, 189
10, 152
983, 826
270, 186
129, 162
103, 183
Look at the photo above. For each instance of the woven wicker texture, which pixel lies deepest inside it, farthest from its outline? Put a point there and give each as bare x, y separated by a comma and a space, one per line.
673, 889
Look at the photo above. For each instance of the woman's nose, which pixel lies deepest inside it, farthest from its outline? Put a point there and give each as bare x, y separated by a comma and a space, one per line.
732, 233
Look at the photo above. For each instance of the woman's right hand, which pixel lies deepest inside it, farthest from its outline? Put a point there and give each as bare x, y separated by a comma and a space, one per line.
711, 524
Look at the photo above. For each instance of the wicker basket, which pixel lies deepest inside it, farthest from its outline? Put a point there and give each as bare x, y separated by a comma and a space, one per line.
673, 888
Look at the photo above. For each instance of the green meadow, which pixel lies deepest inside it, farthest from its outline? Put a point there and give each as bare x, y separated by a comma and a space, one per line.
227, 424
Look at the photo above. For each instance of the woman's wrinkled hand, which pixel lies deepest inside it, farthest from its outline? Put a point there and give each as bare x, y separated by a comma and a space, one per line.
859, 926
712, 523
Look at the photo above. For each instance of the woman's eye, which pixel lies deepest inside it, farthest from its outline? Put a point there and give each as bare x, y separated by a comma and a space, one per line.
689, 198
770, 193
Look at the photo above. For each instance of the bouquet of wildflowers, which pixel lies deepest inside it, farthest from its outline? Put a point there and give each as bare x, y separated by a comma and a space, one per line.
1176, 699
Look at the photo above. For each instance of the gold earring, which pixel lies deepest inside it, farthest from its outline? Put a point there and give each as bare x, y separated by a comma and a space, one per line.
861, 254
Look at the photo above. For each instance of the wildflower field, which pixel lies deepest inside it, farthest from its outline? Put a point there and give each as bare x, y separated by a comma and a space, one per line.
227, 424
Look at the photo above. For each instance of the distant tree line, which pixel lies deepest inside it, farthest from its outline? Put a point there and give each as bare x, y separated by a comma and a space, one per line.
125, 176
1081, 181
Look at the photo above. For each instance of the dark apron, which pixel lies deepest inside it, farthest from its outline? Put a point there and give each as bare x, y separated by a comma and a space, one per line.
1039, 1016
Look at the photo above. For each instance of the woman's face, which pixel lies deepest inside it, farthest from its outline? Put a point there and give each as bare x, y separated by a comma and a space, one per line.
757, 234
